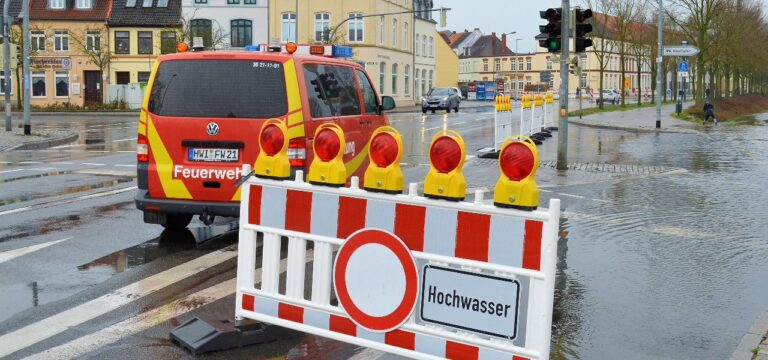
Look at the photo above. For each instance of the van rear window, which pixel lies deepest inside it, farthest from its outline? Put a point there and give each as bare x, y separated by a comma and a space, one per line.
219, 89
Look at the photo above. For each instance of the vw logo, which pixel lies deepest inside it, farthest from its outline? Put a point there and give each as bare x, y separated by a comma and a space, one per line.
212, 129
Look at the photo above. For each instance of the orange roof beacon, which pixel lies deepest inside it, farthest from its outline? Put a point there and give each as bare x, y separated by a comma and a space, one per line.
202, 116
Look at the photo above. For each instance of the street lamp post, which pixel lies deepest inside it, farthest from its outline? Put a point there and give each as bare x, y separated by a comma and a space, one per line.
493, 56
516, 41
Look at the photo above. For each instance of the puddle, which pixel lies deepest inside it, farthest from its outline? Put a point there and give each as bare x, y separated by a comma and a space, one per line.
70, 190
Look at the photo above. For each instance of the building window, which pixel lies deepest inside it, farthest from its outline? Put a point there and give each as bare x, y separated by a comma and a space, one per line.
549, 63
288, 29
431, 47
528, 80
418, 45
61, 40
394, 79
423, 81
83, 4
38, 84
528, 64
38, 40
145, 42
2, 83
497, 64
405, 36
92, 40
394, 33
423, 45
250, 2
241, 33
202, 28
382, 76
167, 42
381, 30
201, 1
485, 64
407, 78
122, 42
62, 84
143, 77
355, 27
122, 77
416, 83
431, 75
233, 2
322, 25
513, 65
56, 4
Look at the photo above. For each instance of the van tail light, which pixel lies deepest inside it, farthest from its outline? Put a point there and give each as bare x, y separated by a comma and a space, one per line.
297, 152
142, 149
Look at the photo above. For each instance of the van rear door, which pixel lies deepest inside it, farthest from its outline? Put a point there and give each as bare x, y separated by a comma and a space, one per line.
204, 116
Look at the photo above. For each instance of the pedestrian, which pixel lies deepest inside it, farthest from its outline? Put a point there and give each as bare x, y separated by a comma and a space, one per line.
709, 111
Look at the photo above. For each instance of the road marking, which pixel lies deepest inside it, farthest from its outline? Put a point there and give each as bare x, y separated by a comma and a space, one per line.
433, 128
12, 254
56, 203
94, 164
571, 195
56, 324
128, 139
30, 162
83, 345
66, 146
125, 165
14, 170
5, 162
62, 163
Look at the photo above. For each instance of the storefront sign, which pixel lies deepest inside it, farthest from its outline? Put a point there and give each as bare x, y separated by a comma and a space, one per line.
64, 63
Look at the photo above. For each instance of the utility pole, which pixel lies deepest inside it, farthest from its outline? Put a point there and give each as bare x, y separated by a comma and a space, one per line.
562, 134
6, 26
25, 12
658, 64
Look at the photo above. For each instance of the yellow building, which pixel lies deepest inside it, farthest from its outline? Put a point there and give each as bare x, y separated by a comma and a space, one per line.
140, 31
447, 63
384, 44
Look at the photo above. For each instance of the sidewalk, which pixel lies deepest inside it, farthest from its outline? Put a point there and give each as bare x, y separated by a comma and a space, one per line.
40, 139
639, 120
754, 344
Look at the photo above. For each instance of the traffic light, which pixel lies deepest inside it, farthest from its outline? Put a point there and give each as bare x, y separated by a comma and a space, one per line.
445, 179
553, 29
384, 173
272, 161
582, 28
518, 161
327, 167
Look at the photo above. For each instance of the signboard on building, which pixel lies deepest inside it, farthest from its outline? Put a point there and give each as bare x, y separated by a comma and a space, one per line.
46, 62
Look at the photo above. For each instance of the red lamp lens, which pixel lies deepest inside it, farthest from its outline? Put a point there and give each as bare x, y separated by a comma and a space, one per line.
516, 161
272, 140
445, 154
327, 145
384, 149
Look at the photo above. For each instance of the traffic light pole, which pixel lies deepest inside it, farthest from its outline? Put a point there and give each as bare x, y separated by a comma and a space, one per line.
6, 27
658, 65
562, 133
26, 92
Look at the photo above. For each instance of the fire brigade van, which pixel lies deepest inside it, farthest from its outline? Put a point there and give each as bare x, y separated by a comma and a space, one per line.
202, 113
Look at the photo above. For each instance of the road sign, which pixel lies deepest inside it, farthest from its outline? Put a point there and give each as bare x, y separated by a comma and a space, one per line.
459, 298
683, 66
680, 50
376, 280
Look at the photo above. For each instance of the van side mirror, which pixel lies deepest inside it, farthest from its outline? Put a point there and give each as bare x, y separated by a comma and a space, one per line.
387, 103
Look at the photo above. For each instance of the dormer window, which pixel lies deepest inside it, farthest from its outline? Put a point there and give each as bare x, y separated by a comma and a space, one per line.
83, 4
56, 4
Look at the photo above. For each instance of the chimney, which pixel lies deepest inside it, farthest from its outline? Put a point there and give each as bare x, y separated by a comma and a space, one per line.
503, 43
493, 43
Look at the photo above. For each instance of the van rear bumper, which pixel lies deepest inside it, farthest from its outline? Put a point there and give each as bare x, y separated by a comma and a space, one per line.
146, 203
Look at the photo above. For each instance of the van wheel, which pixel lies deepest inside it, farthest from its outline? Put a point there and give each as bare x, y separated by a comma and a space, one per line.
433, 111
423, 111
456, 109
177, 221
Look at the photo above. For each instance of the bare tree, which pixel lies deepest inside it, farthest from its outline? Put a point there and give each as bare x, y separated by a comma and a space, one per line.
626, 14
604, 44
213, 34
91, 43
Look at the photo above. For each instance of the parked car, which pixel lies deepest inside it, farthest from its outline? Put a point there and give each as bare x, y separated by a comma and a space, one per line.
442, 98
610, 96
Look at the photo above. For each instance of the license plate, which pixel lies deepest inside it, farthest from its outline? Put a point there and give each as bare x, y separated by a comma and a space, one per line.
214, 155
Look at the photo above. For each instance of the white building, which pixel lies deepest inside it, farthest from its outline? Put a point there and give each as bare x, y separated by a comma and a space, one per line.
227, 23
424, 49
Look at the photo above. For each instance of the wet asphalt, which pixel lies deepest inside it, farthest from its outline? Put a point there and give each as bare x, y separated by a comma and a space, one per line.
666, 266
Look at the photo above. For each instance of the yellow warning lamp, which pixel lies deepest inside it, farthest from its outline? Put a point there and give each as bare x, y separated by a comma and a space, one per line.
526, 102
550, 98
182, 47
538, 100
272, 161
385, 151
327, 167
518, 162
445, 179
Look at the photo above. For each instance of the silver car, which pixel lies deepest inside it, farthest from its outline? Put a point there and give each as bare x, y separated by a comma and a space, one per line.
442, 98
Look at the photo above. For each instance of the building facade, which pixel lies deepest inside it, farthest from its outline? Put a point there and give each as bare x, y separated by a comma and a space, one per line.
424, 50
65, 36
140, 31
447, 63
225, 24
383, 44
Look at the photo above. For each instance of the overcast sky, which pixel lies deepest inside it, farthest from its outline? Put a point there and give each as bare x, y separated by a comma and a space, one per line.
503, 16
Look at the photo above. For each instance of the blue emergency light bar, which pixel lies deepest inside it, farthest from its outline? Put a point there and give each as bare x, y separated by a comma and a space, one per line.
253, 48
340, 51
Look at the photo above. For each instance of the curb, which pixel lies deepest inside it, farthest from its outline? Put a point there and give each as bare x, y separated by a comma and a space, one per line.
635, 129
43, 144
752, 339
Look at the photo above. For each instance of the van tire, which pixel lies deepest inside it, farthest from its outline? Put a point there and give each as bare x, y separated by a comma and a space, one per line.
177, 221
456, 109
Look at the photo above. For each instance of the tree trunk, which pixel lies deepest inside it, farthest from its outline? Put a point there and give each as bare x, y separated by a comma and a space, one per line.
19, 89
639, 81
623, 69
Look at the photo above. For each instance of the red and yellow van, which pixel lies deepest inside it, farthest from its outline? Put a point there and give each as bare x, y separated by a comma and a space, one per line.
202, 114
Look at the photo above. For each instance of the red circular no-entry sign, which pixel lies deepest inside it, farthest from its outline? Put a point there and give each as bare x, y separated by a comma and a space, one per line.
376, 279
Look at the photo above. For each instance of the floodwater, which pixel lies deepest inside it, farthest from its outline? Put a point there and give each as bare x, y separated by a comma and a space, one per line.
673, 266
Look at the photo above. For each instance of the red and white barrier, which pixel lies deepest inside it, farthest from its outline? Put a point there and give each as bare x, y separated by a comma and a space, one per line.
471, 245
